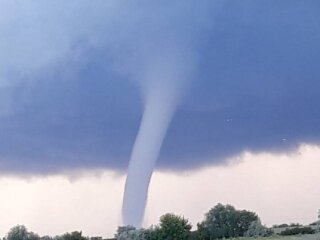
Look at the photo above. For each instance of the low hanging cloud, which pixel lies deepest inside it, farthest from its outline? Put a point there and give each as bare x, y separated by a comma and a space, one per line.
73, 87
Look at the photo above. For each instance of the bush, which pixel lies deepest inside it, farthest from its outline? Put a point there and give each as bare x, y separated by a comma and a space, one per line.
315, 223
295, 225
297, 230
76, 235
130, 233
281, 225
256, 229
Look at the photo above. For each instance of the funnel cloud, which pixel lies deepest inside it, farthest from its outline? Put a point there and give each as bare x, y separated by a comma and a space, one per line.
165, 79
155, 122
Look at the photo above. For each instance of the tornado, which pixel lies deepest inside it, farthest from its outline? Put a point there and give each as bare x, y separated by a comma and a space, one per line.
156, 119
162, 92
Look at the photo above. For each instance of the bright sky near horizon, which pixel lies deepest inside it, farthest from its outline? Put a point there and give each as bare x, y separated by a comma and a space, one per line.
279, 188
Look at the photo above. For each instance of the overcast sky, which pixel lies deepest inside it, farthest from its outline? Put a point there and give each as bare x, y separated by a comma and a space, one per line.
74, 77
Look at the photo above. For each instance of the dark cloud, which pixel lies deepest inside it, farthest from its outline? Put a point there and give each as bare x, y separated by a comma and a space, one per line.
71, 102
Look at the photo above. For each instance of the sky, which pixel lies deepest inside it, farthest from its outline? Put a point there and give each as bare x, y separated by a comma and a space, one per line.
76, 76
279, 188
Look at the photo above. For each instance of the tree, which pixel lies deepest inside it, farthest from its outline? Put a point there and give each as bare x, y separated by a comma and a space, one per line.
172, 227
256, 229
153, 233
20, 232
295, 225
46, 237
33, 236
72, 236
245, 218
131, 233
224, 221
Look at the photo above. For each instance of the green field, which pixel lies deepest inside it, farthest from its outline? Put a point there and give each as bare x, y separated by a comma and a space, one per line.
295, 237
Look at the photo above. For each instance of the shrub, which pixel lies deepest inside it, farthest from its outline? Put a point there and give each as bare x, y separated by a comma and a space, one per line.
297, 230
131, 233
283, 225
256, 229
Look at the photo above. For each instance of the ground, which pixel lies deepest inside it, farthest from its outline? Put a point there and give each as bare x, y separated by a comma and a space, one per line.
296, 237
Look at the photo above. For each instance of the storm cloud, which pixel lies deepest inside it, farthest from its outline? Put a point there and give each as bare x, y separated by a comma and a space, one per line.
72, 89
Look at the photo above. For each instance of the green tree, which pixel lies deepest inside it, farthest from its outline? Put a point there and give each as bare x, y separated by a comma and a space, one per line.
20, 232
76, 235
173, 227
244, 220
256, 229
33, 236
224, 221
131, 233
153, 233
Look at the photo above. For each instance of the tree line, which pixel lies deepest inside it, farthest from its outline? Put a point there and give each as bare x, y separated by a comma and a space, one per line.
220, 222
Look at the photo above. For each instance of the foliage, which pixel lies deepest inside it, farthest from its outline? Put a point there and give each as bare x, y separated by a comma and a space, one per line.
297, 230
224, 221
278, 237
20, 232
95, 238
131, 233
193, 235
314, 223
46, 238
153, 233
256, 229
72, 236
128, 232
283, 225
295, 225
122, 230
173, 227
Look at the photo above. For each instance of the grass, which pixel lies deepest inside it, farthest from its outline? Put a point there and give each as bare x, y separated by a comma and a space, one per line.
295, 237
